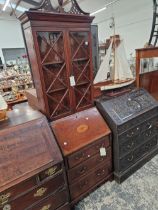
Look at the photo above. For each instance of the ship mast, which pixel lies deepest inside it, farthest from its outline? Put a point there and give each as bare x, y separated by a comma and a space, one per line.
114, 45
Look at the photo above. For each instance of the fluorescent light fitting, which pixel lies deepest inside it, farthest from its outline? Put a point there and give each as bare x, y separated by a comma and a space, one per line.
100, 10
5, 5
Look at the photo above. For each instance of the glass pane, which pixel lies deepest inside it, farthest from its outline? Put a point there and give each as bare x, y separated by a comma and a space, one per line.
51, 47
79, 45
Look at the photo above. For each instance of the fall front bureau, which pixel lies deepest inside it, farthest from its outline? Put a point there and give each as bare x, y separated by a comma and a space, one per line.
85, 141
133, 119
32, 174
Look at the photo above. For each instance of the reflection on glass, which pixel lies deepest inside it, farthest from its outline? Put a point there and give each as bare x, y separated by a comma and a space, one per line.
148, 65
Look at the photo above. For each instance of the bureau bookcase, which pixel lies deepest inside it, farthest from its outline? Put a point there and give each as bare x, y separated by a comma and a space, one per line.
59, 49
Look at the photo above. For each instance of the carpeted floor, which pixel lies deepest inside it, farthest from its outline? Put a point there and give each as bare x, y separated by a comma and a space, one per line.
139, 192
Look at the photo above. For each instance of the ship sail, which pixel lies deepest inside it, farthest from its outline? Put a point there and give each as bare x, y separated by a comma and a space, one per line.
120, 74
122, 70
101, 75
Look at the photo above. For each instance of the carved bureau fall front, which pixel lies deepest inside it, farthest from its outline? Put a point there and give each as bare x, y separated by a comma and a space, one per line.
133, 119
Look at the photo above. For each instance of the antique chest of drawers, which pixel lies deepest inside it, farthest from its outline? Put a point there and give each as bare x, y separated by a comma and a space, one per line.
85, 141
133, 119
32, 174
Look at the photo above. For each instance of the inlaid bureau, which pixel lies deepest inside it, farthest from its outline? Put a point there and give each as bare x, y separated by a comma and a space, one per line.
85, 141
133, 119
32, 174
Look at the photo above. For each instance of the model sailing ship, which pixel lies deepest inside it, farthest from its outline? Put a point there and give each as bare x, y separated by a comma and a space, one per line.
114, 71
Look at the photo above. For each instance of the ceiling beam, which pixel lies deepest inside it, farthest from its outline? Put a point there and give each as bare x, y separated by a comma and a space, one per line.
34, 3
14, 10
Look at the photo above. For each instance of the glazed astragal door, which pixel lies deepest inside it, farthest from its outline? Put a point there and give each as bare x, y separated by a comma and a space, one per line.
81, 68
54, 72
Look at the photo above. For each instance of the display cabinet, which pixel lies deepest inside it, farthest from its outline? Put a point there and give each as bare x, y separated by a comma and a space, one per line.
59, 49
147, 69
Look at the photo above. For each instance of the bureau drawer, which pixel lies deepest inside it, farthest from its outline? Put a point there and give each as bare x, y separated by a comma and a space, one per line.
38, 193
140, 128
52, 171
136, 141
138, 153
88, 151
89, 180
53, 202
138, 120
83, 168
17, 190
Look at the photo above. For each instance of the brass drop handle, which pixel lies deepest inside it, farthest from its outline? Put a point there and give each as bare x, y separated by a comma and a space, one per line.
78, 157
40, 192
47, 207
82, 171
4, 198
51, 171
100, 159
101, 173
149, 125
130, 158
83, 184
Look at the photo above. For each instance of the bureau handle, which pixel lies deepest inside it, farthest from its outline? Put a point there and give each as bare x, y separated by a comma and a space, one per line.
130, 158
101, 173
47, 207
149, 125
40, 192
51, 171
83, 184
4, 198
78, 157
101, 159
83, 170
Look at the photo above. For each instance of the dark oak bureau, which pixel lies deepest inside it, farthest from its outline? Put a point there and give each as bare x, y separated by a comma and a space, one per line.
85, 141
32, 173
133, 119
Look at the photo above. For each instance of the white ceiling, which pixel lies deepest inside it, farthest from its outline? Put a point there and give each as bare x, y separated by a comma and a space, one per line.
87, 5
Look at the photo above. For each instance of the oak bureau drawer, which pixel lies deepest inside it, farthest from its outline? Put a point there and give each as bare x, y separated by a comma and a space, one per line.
88, 151
83, 168
17, 190
52, 171
138, 153
90, 180
37, 194
53, 202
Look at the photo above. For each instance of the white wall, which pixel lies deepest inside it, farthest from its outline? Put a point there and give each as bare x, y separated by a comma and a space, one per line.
133, 22
133, 19
10, 33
